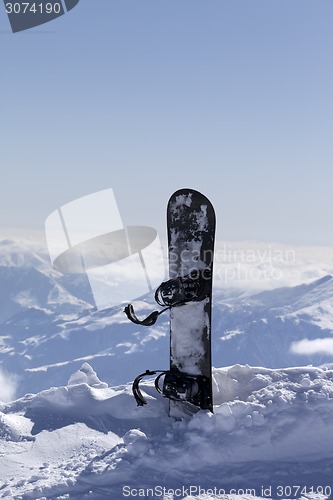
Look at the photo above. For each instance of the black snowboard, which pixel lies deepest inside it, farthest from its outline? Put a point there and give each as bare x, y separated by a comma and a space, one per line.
191, 234
188, 296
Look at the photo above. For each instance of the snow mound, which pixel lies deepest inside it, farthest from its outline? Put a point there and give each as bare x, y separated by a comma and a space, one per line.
86, 375
270, 429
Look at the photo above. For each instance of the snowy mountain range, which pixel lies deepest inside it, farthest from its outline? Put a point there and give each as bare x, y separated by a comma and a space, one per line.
268, 328
49, 326
70, 435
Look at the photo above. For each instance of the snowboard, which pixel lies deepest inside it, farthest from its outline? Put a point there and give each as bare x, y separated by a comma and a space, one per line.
191, 235
188, 296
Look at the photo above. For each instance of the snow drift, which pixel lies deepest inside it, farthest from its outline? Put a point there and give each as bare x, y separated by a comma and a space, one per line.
269, 437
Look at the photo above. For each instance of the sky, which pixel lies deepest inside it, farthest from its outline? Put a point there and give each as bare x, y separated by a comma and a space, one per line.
230, 97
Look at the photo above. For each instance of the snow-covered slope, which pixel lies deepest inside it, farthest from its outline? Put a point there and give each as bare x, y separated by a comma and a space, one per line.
270, 437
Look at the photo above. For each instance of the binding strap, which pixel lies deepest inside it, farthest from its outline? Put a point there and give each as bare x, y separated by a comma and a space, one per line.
148, 321
135, 387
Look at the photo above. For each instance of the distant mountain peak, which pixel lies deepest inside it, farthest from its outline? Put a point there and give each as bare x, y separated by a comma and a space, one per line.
323, 280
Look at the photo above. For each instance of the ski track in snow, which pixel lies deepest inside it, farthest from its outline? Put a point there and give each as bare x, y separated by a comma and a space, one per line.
271, 429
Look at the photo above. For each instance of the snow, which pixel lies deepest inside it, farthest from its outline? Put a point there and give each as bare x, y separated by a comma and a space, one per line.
86, 375
271, 431
187, 350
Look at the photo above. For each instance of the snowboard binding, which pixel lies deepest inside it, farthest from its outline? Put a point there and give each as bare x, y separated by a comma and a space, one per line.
179, 290
177, 387
173, 293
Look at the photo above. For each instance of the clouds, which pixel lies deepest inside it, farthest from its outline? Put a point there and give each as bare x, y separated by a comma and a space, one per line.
308, 347
263, 266
8, 386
